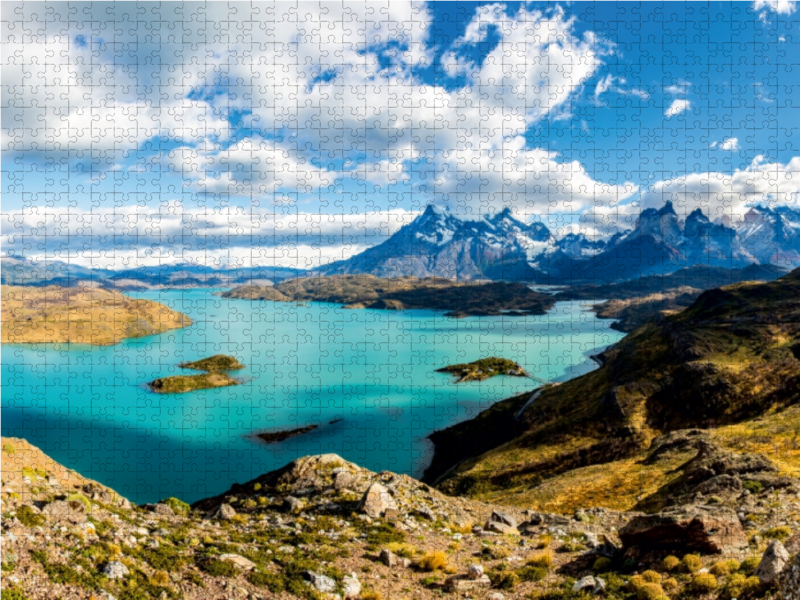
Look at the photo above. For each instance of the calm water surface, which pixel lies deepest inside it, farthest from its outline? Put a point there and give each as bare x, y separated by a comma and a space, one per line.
367, 377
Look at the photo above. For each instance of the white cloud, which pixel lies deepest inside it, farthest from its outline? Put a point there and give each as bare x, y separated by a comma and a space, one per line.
677, 107
87, 101
730, 194
782, 7
173, 232
730, 144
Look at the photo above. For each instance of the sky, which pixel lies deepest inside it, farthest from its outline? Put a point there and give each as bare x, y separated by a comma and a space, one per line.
293, 134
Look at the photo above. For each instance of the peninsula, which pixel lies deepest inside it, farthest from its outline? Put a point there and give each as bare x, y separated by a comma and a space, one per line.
457, 299
80, 315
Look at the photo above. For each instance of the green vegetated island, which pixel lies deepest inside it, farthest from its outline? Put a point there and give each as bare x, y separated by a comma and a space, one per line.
457, 299
482, 369
215, 376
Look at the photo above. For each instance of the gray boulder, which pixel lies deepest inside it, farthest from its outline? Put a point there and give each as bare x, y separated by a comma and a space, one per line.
772, 564
376, 501
115, 570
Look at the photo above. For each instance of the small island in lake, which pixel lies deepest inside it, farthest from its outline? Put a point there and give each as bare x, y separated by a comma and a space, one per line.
484, 369
280, 436
214, 377
218, 362
177, 384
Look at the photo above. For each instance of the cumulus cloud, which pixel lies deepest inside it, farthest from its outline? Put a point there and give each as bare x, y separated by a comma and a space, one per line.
174, 233
333, 94
678, 106
728, 144
782, 7
730, 194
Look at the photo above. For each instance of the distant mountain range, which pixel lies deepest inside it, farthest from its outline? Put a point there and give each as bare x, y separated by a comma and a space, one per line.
502, 247
496, 247
17, 270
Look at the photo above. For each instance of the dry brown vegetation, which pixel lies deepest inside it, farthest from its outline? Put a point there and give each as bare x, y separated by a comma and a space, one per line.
80, 315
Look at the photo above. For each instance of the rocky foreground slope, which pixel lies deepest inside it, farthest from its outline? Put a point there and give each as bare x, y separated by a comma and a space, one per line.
322, 527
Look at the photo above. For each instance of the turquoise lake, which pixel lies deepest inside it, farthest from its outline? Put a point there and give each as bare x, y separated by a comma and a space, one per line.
366, 377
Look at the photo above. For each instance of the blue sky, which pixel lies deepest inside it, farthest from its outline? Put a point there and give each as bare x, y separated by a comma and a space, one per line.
141, 133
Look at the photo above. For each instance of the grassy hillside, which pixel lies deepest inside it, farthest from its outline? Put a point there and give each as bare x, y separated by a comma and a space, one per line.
81, 315
731, 357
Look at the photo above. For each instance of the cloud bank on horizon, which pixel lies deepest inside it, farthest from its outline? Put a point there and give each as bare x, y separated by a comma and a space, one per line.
298, 134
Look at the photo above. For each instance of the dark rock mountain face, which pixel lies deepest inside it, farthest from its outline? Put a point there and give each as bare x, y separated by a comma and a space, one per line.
439, 244
503, 247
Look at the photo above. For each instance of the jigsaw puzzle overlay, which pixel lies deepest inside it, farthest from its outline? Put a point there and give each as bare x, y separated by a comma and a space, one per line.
508, 282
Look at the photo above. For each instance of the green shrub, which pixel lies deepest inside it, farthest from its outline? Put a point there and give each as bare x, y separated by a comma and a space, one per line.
218, 568
432, 561
12, 593
29, 517
178, 506
9, 449
704, 583
739, 585
671, 563
749, 565
651, 577
529, 573
691, 563
541, 559
724, 568
754, 487
496, 552
651, 591
82, 499
670, 585
601, 565
778, 533
571, 546
272, 581
504, 579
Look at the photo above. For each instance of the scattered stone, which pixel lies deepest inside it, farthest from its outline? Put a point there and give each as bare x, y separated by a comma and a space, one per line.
789, 580
389, 558
501, 528
71, 511
475, 572
773, 562
589, 583
462, 583
495, 596
292, 504
591, 538
115, 570
343, 481
351, 586
163, 510
707, 529
322, 583
240, 561
376, 501
426, 513
504, 518
225, 512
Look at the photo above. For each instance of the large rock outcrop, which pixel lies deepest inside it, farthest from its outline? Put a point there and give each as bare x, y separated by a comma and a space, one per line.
700, 528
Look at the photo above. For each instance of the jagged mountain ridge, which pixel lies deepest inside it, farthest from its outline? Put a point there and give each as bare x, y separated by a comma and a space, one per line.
501, 246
